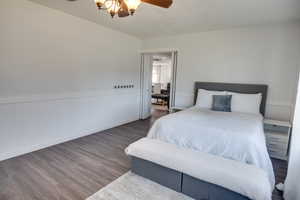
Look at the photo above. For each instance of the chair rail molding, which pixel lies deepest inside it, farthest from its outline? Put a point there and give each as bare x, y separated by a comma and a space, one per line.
67, 95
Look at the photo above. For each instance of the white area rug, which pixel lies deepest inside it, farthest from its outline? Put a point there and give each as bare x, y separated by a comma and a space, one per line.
133, 187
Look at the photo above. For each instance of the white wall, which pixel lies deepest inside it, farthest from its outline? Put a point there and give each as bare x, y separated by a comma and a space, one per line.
258, 54
57, 72
292, 186
56, 77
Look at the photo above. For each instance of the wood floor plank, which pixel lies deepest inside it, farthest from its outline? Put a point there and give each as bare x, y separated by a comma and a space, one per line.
75, 170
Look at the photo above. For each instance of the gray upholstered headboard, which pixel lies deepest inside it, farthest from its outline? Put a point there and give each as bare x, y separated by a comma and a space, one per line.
235, 87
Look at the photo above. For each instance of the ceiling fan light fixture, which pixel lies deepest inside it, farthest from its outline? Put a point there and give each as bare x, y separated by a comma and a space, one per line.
99, 3
112, 6
132, 5
124, 8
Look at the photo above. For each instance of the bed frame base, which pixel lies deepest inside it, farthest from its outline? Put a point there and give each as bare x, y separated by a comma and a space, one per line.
180, 182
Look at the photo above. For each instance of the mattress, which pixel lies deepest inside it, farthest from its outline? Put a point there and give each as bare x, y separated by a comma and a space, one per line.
232, 135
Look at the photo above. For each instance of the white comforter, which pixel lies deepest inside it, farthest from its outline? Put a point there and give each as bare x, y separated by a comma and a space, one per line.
237, 136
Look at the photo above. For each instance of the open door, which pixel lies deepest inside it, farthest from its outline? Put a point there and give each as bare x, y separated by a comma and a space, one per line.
146, 83
146, 87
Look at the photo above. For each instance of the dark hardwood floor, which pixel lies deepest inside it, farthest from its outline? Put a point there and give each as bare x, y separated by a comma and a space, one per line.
75, 170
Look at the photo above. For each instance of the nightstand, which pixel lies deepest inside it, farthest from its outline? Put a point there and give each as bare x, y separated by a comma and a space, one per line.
277, 137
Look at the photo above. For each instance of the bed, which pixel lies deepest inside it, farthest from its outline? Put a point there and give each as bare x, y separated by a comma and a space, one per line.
233, 136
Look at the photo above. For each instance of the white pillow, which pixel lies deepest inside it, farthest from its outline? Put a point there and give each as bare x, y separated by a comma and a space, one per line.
246, 103
205, 98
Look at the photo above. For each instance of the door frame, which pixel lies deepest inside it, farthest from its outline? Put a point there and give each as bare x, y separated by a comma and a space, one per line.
143, 74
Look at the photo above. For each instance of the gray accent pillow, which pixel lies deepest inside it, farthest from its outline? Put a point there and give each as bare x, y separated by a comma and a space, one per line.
222, 103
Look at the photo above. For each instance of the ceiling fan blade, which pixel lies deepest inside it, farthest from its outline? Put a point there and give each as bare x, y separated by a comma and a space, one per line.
160, 3
123, 12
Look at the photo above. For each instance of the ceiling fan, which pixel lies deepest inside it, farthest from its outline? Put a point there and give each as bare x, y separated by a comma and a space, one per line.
125, 8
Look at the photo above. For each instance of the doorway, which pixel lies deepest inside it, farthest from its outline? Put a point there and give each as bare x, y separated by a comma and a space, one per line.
158, 82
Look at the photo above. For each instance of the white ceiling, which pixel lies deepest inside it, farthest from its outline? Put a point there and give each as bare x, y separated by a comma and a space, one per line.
185, 16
